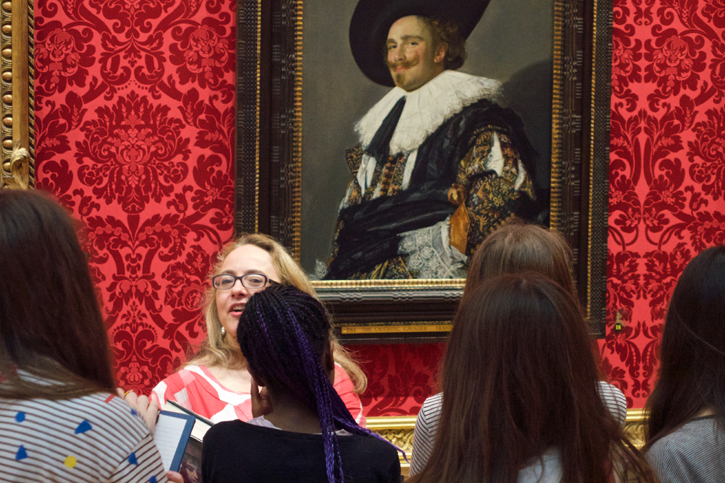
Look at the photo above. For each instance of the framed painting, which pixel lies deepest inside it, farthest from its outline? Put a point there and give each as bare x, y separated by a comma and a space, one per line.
301, 90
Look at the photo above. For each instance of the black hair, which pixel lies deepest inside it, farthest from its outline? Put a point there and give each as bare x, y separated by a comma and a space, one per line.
692, 350
283, 333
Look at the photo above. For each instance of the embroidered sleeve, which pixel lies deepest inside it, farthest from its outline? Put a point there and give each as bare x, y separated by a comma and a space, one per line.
491, 179
353, 193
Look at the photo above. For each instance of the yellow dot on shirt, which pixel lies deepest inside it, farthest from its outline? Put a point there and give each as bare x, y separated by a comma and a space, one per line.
70, 462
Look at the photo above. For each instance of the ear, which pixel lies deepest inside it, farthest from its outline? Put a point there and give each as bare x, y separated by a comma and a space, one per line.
328, 361
440, 54
328, 357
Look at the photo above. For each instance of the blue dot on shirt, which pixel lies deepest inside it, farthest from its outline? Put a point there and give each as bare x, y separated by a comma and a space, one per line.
132, 459
83, 427
20, 417
21, 454
134, 412
152, 479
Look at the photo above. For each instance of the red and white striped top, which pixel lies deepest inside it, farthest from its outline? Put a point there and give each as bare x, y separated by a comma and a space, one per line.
196, 388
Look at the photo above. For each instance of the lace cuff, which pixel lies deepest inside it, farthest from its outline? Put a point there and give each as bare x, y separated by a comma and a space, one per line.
430, 254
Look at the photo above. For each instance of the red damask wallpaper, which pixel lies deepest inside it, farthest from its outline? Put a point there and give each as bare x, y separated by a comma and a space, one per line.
400, 376
135, 122
667, 170
135, 131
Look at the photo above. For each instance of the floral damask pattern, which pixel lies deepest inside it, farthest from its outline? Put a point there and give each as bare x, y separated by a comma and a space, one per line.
65, 55
400, 377
708, 155
132, 153
203, 54
667, 171
135, 126
135, 134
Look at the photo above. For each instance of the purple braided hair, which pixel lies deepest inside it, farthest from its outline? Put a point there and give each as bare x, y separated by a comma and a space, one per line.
282, 333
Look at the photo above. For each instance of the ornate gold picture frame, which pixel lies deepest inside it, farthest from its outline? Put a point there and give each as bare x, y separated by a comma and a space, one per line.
17, 94
269, 153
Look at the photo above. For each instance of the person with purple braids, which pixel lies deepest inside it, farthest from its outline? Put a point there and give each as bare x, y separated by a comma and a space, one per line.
215, 382
302, 430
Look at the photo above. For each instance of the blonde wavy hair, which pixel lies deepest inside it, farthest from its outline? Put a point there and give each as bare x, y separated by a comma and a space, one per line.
217, 351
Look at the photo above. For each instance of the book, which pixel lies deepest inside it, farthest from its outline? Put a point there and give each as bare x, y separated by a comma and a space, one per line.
179, 435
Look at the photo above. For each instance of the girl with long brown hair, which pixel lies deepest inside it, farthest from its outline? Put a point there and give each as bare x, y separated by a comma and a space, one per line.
513, 248
59, 418
215, 383
521, 400
686, 424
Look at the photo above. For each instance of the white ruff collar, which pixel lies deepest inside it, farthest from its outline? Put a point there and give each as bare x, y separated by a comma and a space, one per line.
426, 108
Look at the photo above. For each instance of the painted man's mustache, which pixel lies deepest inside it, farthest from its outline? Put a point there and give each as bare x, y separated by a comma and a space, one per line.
406, 65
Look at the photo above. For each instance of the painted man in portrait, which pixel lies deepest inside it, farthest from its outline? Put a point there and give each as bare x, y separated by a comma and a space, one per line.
439, 164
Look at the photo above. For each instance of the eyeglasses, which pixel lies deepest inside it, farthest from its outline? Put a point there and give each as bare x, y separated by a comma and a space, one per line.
252, 281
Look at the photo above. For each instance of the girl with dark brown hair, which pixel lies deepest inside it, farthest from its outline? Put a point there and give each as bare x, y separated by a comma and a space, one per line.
516, 248
513, 248
59, 419
686, 432
521, 400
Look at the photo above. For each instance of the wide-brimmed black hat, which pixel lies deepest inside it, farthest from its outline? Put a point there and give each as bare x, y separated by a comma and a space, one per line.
372, 19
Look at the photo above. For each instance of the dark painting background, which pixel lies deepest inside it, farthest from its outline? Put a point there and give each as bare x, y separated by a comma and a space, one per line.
512, 43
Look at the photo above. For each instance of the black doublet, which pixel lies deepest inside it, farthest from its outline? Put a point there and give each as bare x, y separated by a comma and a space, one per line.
370, 230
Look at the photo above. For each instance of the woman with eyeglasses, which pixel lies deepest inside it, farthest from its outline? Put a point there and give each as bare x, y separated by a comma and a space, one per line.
216, 383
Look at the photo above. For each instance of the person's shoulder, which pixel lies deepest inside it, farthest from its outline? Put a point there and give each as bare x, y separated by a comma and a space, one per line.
614, 400
606, 388
103, 415
697, 433
482, 116
100, 429
697, 436
426, 423
193, 370
431, 407
185, 376
228, 426
376, 455
220, 435
110, 405
341, 377
668, 454
489, 110
96, 411
660, 449
235, 428
371, 445
433, 401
